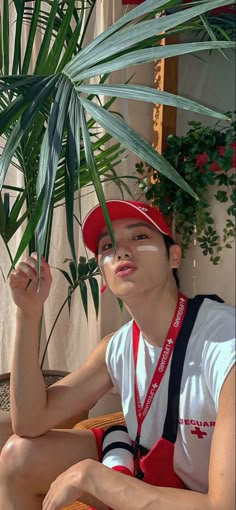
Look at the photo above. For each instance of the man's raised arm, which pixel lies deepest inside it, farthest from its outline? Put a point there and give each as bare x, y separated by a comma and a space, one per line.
34, 409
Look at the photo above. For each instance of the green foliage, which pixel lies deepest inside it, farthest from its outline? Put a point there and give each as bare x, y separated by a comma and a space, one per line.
204, 157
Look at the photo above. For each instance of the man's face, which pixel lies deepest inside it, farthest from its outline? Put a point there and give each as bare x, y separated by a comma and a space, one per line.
140, 262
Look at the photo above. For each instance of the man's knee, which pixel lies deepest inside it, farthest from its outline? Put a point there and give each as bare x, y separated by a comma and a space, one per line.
16, 458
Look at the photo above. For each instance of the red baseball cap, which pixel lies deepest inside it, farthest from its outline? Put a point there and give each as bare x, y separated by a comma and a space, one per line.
118, 209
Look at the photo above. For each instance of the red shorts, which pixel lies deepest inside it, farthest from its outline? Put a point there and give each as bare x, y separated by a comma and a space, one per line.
98, 434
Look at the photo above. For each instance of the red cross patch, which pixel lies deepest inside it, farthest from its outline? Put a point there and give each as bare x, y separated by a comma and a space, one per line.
198, 432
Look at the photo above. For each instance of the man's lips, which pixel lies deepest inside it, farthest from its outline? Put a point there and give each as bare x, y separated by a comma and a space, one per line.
125, 269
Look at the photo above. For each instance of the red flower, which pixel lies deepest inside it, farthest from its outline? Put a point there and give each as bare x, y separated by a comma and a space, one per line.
214, 167
127, 2
229, 9
233, 159
201, 159
226, 9
221, 150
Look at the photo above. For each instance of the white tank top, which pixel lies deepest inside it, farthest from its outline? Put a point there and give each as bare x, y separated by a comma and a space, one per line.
209, 357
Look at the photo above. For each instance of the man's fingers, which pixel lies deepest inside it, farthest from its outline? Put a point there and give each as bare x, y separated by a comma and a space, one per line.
45, 268
18, 277
24, 272
27, 268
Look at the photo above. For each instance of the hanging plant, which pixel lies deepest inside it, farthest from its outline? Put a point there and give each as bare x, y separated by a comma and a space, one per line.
205, 157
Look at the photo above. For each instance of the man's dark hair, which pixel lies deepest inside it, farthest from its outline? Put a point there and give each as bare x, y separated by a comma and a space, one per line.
168, 243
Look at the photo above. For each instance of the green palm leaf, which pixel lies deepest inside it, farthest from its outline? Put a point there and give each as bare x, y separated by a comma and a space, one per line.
50, 154
84, 296
131, 35
22, 127
151, 54
30, 229
134, 143
95, 293
70, 185
147, 7
5, 38
16, 66
150, 95
31, 37
91, 163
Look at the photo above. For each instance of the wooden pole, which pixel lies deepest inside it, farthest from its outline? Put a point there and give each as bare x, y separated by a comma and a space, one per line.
166, 79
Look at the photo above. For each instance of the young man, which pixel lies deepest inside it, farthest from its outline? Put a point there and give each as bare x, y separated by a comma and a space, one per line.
172, 364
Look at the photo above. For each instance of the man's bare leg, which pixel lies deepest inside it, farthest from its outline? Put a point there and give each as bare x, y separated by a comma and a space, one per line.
5, 427
29, 466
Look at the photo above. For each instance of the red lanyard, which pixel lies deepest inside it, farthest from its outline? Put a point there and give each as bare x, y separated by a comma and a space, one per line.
141, 411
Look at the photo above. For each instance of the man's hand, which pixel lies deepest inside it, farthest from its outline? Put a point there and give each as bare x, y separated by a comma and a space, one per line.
68, 487
23, 285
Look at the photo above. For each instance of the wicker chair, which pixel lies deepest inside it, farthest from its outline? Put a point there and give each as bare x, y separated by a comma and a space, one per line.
100, 421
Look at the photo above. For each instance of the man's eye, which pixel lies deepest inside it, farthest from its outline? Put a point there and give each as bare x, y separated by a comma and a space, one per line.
106, 246
140, 236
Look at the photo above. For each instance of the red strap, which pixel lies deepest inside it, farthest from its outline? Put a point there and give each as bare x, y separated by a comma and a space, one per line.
141, 411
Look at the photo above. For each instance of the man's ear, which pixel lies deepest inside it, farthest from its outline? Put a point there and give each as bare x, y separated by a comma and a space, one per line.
175, 256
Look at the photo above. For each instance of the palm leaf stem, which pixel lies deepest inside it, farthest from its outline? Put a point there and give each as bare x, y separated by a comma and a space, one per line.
52, 329
31, 37
5, 33
16, 66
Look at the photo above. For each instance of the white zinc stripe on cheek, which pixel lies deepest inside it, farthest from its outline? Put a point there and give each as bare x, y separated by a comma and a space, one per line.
147, 248
106, 259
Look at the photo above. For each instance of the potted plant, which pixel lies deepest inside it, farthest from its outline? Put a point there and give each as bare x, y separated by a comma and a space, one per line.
204, 156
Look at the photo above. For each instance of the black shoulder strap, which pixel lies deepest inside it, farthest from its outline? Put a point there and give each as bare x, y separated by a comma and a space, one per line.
177, 363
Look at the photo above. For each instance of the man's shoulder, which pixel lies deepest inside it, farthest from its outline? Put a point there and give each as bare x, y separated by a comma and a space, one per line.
123, 331
213, 327
219, 311
214, 310
120, 341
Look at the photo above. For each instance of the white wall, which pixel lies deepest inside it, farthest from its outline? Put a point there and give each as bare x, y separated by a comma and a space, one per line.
209, 79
